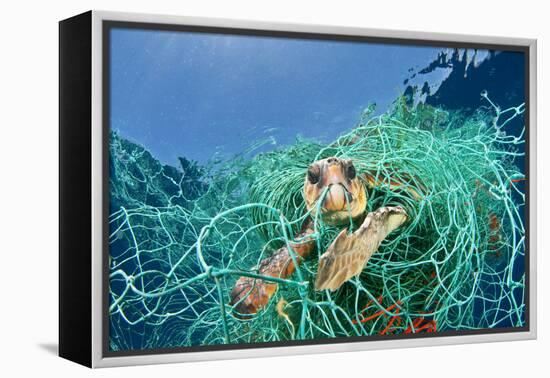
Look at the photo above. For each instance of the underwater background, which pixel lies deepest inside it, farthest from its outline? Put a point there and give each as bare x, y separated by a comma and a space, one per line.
211, 136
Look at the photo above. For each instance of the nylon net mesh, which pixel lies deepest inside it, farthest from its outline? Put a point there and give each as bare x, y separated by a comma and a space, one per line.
180, 238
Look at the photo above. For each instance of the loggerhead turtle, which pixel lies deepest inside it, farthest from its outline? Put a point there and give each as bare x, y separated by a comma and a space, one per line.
347, 255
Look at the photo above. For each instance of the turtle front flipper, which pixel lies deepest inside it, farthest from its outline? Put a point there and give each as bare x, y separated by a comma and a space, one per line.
348, 254
249, 295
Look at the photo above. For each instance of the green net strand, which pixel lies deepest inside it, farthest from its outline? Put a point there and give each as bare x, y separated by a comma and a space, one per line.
179, 239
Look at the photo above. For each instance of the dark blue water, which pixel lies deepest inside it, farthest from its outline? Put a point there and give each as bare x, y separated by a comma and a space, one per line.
194, 95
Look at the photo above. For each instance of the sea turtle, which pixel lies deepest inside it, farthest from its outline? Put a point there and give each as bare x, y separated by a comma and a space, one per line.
336, 182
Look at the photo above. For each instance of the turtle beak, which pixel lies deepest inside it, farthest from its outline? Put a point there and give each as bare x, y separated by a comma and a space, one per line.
336, 198
334, 178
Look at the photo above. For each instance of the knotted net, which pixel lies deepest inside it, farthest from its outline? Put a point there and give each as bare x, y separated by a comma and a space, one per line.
181, 237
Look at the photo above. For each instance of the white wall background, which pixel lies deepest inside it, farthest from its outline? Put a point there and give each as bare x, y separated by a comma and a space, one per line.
28, 186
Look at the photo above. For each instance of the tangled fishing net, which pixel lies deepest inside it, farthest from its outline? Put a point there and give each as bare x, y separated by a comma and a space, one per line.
180, 238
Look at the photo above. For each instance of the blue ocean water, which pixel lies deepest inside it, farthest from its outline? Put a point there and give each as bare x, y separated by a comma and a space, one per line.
196, 94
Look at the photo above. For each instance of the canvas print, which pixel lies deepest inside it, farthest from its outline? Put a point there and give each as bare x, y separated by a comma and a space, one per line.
269, 190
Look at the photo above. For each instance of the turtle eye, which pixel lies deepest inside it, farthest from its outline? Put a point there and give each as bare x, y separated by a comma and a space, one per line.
350, 172
313, 174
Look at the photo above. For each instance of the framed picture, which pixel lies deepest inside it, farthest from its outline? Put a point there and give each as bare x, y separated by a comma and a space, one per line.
234, 189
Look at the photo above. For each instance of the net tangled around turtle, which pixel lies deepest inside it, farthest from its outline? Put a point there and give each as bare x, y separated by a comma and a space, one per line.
179, 242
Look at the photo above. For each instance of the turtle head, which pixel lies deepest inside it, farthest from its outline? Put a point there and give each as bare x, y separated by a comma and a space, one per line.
345, 196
